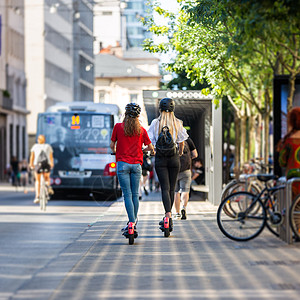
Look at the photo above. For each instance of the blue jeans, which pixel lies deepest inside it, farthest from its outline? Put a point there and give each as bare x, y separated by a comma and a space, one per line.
129, 177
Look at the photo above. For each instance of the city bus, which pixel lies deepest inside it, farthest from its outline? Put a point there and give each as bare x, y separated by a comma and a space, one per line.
79, 133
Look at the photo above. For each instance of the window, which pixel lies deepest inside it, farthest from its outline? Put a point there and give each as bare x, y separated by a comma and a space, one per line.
101, 96
57, 39
57, 74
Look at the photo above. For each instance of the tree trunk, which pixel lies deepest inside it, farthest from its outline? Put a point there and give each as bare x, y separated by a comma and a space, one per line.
251, 134
228, 153
267, 131
243, 139
292, 89
258, 137
237, 145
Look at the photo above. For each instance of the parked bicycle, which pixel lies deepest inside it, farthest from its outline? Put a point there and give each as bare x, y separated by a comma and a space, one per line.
243, 215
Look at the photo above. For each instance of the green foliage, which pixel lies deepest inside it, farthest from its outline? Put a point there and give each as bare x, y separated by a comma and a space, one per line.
235, 46
6, 93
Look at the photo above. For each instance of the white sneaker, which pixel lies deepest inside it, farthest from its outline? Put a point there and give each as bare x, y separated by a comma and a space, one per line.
177, 216
36, 200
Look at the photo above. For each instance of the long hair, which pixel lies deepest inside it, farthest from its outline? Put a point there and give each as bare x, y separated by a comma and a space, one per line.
168, 119
294, 124
132, 126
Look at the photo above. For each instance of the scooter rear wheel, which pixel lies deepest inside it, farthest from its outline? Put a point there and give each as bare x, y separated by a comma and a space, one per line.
167, 232
131, 239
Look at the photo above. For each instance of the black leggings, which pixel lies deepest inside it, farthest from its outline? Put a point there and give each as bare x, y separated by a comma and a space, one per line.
167, 169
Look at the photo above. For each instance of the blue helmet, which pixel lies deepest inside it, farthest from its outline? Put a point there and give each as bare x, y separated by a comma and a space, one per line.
133, 110
167, 104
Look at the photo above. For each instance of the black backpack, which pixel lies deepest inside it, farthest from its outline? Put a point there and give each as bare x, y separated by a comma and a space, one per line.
43, 160
165, 145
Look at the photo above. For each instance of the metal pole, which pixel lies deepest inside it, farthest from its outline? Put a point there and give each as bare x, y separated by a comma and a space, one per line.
289, 235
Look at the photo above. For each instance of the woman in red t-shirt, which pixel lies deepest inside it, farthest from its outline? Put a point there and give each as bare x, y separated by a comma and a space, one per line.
127, 140
289, 156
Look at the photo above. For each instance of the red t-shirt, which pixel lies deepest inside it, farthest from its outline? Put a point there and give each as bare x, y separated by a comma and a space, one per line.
129, 148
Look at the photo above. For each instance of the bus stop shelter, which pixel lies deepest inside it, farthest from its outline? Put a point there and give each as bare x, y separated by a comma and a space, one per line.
203, 122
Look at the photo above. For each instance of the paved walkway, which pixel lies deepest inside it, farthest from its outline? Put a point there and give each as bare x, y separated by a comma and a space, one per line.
195, 262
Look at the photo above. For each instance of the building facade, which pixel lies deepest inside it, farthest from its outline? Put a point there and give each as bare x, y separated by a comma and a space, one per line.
83, 56
13, 137
59, 55
121, 81
118, 23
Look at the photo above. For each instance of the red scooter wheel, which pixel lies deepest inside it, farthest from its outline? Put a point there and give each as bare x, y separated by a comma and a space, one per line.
166, 227
130, 233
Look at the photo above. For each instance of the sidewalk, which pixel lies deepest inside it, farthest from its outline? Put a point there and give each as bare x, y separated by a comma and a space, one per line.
195, 262
8, 187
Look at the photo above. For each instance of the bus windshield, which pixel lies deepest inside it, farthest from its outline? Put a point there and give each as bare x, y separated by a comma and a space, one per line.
77, 139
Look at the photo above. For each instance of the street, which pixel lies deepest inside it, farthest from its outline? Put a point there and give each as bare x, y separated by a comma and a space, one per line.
75, 250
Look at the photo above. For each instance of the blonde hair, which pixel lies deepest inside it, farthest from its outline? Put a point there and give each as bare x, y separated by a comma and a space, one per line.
168, 119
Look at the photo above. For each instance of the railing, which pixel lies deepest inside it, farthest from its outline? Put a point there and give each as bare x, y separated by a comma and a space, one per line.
286, 233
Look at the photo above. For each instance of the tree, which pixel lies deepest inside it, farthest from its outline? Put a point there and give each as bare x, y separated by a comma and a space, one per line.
236, 46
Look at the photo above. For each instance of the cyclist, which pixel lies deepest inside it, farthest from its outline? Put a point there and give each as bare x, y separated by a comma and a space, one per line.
167, 167
127, 140
41, 160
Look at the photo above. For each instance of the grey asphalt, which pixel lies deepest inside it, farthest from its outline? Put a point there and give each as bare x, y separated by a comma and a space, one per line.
78, 252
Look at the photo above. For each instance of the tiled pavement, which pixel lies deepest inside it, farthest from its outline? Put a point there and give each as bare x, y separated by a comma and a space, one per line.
195, 262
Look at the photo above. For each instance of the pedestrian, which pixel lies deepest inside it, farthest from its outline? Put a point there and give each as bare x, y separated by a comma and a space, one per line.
127, 141
24, 171
167, 164
182, 189
289, 149
41, 160
15, 171
146, 168
198, 175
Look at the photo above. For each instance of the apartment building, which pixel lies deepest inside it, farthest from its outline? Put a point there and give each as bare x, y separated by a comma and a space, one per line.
59, 54
13, 137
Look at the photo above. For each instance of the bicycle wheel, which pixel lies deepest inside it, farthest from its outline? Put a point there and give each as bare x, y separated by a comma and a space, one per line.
43, 195
229, 189
249, 219
295, 216
238, 186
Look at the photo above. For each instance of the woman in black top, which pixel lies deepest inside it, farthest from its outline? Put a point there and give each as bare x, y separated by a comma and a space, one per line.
167, 167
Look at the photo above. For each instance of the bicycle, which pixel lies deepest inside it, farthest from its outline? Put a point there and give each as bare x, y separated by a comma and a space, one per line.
249, 213
44, 195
